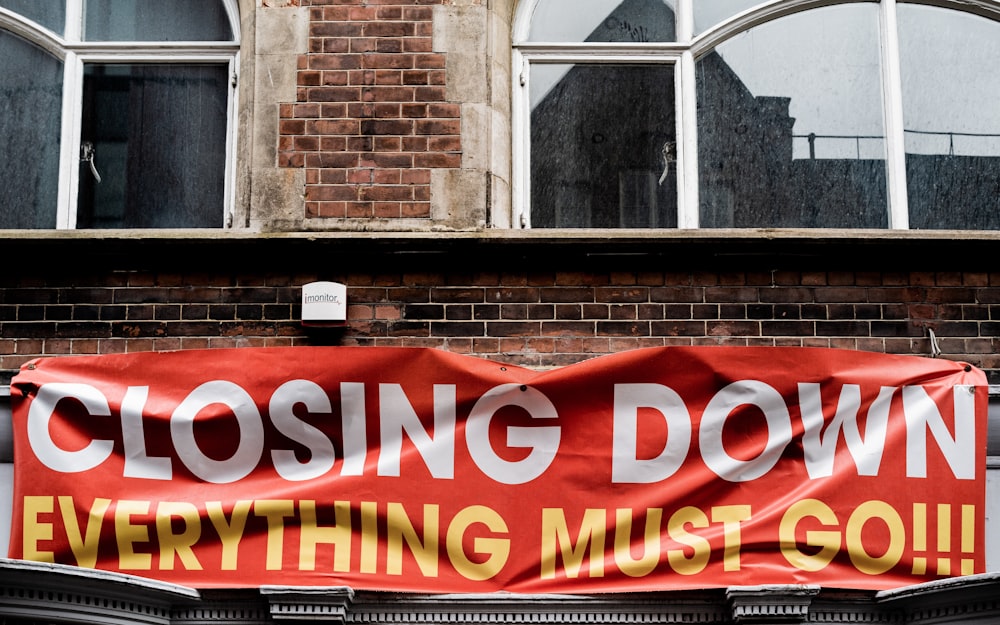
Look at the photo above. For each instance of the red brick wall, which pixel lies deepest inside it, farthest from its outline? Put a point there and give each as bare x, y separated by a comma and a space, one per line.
540, 318
370, 120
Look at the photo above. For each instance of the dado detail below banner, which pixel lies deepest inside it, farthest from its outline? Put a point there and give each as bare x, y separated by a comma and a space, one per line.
419, 470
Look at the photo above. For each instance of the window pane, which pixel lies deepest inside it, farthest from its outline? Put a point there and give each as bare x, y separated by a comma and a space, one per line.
159, 139
709, 13
603, 20
30, 111
49, 13
951, 85
602, 146
790, 126
157, 20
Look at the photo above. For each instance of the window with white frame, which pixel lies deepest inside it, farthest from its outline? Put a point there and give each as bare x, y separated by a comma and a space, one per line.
744, 113
117, 113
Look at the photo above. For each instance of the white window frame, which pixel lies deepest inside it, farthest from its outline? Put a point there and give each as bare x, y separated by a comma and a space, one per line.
76, 53
660, 55
684, 53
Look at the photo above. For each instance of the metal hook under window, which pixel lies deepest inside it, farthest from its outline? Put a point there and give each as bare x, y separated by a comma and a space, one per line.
668, 154
87, 152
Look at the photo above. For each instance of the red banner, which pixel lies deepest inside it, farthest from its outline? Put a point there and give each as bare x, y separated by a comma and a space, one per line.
420, 470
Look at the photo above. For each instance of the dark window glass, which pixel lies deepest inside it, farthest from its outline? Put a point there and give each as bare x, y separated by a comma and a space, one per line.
158, 137
950, 63
602, 146
790, 124
30, 109
49, 13
156, 20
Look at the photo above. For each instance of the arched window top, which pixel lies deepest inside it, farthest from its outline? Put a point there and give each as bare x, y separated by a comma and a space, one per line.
603, 21
845, 114
708, 14
51, 15
162, 20
97, 21
672, 21
634, 21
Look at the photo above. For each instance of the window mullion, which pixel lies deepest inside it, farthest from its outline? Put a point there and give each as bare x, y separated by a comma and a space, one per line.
687, 122
69, 166
687, 143
685, 20
74, 20
231, 138
899, 214
69, 155
520, 133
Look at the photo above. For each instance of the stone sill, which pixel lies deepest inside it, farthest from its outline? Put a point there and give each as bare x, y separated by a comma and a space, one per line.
804, 249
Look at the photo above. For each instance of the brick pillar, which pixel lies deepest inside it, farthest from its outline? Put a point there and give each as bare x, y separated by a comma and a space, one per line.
370, 121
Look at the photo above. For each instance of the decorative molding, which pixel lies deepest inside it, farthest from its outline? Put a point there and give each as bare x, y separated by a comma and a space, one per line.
977, 612
307, 603
770, 604
47, 605
342, 605
969, 599
853, 612
228, 611
625, 608
50, 592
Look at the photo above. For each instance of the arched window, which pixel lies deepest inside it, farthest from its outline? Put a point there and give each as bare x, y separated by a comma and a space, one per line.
117, 114
743, 113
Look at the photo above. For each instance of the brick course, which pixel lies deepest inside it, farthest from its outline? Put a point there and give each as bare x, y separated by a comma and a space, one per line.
531, 317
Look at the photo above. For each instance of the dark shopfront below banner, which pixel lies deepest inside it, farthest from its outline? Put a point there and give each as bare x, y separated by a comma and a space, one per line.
420, 470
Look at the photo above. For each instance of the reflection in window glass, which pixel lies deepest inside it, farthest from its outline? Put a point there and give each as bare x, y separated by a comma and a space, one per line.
156, 20
50, 14
30, 108
951, 85
709, 13
158, 134
631, 21
790, 125
602, 146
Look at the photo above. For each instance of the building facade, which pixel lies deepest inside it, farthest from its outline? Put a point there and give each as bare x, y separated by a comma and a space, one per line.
535, 183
